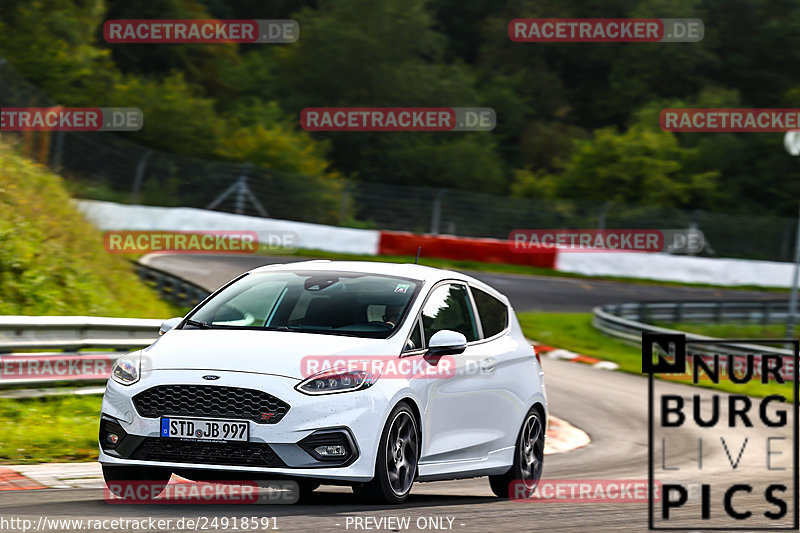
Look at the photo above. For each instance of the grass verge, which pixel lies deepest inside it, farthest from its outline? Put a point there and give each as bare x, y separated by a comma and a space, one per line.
50, 429
52, 261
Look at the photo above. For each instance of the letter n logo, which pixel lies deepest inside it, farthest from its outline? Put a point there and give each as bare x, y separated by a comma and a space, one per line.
663, 353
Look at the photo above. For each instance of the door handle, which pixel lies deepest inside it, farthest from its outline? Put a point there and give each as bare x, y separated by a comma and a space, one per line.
487, 365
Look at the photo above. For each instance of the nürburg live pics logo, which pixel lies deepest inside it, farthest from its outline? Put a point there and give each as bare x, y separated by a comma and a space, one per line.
722, 433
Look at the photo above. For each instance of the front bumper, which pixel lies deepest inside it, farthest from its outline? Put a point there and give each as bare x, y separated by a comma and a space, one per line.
279, 449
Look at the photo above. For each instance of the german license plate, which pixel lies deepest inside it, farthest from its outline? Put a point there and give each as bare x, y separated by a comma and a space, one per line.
201, 429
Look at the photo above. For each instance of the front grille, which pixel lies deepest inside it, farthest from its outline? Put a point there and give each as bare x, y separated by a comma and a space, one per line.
209, 401
228, 454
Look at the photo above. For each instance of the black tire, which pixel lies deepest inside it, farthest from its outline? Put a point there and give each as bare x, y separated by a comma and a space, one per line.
118, 478
396, 463
528, 460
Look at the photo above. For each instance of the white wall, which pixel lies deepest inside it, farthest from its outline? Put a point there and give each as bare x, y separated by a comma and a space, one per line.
665, 267
111, 216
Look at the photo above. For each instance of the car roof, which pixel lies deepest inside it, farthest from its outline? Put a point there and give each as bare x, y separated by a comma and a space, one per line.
406, 270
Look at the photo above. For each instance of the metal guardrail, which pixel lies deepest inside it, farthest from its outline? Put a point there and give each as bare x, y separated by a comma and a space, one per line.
38, 350
75, 333
628, 321
756, 312
171, 287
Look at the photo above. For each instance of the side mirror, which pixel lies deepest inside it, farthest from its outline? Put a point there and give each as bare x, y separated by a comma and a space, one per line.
169, 324
446, 342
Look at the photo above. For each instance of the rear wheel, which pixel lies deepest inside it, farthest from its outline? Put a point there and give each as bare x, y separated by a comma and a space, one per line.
528, 461
124, 480
396, 464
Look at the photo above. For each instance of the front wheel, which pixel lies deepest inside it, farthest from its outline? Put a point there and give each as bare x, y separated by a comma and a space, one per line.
524, 476
396, 464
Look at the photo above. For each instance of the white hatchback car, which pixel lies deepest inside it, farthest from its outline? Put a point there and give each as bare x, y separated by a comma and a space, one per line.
373, 375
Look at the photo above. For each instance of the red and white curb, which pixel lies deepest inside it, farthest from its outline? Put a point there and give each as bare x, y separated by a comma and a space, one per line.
561, 437
52, 476
559, 353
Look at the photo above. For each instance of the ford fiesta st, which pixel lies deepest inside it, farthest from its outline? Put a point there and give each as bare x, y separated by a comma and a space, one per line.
373, 375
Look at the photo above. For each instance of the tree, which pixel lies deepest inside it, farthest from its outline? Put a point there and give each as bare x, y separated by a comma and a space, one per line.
641, 165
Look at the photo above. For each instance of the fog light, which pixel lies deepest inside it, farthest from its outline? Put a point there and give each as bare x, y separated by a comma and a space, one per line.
113, 438
331, 451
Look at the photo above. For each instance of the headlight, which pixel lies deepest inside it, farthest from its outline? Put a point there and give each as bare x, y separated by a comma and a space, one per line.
332, 381
126, 370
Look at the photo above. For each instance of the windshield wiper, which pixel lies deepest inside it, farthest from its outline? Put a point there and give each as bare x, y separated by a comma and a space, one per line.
320, 330
297, 329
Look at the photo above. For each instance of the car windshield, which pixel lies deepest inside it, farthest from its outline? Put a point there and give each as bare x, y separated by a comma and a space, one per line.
329, 302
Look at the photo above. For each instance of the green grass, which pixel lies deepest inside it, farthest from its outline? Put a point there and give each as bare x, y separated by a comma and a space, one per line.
52, 261
51, 429
574, 332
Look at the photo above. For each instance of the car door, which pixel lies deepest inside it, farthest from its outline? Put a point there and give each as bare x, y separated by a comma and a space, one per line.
461, 410
512, 359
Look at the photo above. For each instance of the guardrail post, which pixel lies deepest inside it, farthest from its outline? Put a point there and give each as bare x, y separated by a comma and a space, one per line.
160, 285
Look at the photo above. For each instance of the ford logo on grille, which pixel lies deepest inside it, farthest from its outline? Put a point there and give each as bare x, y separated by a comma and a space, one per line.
211, 377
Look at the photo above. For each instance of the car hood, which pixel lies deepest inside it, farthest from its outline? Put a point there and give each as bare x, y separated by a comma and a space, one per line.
264, 352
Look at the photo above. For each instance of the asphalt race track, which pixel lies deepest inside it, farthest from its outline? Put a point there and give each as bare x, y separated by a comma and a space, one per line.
611, 407
527, 293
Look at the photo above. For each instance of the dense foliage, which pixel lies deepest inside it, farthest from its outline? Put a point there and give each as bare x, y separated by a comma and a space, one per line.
575, 121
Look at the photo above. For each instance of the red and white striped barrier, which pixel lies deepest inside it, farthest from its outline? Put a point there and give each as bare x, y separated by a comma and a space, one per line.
656, 266
461, 249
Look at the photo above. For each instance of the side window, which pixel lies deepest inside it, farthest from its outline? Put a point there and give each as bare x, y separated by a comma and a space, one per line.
448, 307
493, 313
